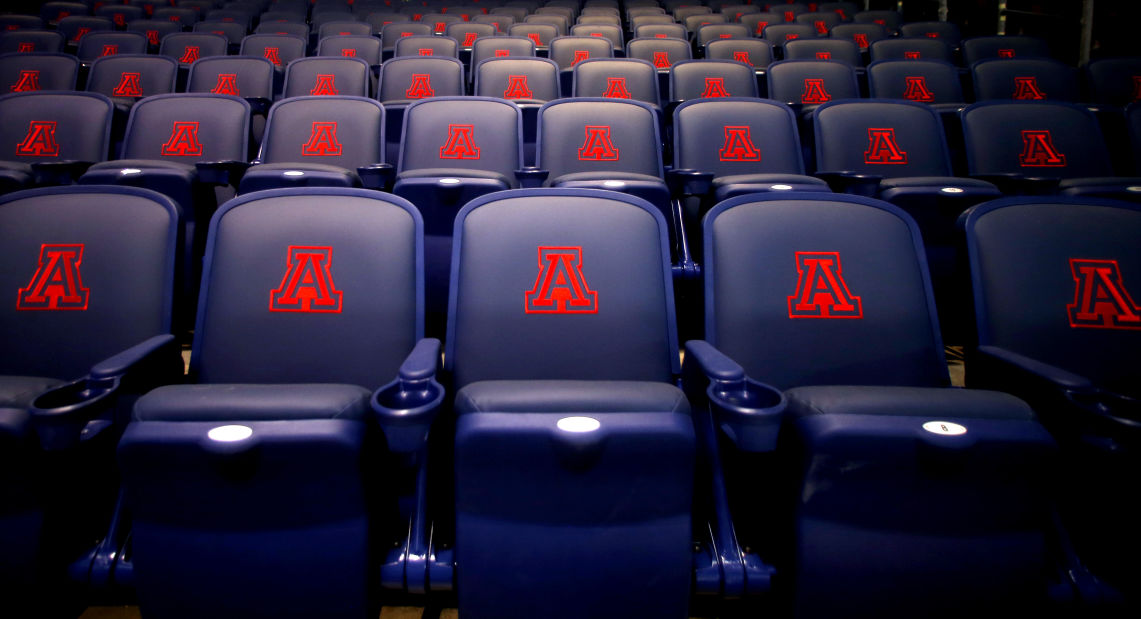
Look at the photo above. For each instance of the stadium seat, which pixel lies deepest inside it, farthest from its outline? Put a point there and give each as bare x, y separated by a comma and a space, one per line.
154, 30
26, 41
187, 47
568, 51
697, 79
945, 31
807, 83
325, 76
1006, 46
1025, 79
31, 71
528, 82
912, 48
426, 45
617, 78
1114, 81
52, 136
406, 79
836, 50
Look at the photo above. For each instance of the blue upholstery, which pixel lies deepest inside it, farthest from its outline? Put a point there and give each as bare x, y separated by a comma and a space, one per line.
696, 79
822, 21
864, 34
406, 79
280, 49
927, 81
391, 33
568, 51
24, 41
1025, 79
657, 31
498, 46
129, 77
234, 32
330, 287
426, 45
37, 71
715, 32
607, 32
836, 50
108, 43
75, 27
252, 78
365, 47
51, 136
891, 20
1004, 46
1111, 80
608, 508
757, 53
323, 76
945, 31
616, 78
651, 49
154, 29
1055, 289
912, 48
541, 34
880, 500
811, 82
757, 23
187, 47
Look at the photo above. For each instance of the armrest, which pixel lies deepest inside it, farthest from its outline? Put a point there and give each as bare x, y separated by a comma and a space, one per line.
747, 411
82, 409
1012, 183
406, 407
59, 172
686, 182
377, 176
846, 181
221, 172
259, 105
1036, 369
531, 177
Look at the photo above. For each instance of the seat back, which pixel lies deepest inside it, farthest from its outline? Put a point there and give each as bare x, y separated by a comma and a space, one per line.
330, 288
837, 50
75, 27
663, 53
25, 41
186, 47
1003, 46
1025, 79
912, 48
343, 28
945, 31
884, 137
426, 45
518, 79
736, 136
501, 22
757, 53
758, 22
109, 43
618, 78
487, 138
540, 34
821, 21
154, 30
240, 76
845, 298
693, 22
779, 34
467, 32
391, 33
609, 32
891, 20
38, 71
407, 78
132, 75
335, 130
280, 49
1058, 280
1058, 140
365, 47
598, 135
499, 46
234, 33
92, 270
926, 81
696, 79
46, 126
188, 127
1116, 81
569, 51
863, 34
120, 14
715, 32
812, 82
293, 28
581, 272
326, 76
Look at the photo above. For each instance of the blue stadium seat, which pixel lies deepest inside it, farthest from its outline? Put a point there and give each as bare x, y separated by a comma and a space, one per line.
1025, 79
327, 76
912, 48
126, 78
616, 78
890, 20
945, 31
1114, 81
568, 51
13, 21
661, 31
757, 23
109, 43
154, 30
280, 49
51, 137
935, 82
426, 45
391, 33
406, 79
708, 79
716, 32
75, 27
583, 391
33, 71
25, 41
187, 47
540, 34
836, 50
311, 298
611, 33
528, 82
823, 22
1004, 46
366, 48
864, 34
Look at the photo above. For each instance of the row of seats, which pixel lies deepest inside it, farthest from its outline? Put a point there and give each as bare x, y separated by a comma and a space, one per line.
289, 477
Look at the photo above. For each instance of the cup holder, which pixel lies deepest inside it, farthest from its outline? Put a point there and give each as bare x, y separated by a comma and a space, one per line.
60, 414
405, 410
748, 411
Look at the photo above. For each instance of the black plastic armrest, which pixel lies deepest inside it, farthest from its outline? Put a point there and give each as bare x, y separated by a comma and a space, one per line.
1032, 367
221, 172
377, 176
259, 105
846, 181
531, 177
63, 172
747, 411
406, 407
1013, 183
686, 182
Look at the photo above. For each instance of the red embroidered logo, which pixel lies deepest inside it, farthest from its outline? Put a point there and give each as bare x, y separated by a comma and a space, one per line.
824, 55
932, 35
227, 84
1006, 53
761, 25
190, 54
882, 22
183, 140
28, 81
616, 88
715, 87
517, 88
57, 284
662, 60
26, 47
326, 85
739, 145
742, 57
861, 40
821, 27
660, 36
469, 39
308, 284
405, 34
129, 86
534, 36
120, 19
40, 141
322, 141
460, 144
499, 53
917, 89
152, 37
725, 36
426, 51
349, 52
792, 36
814, 91
560, 287
420, 87
1026, 88
789, 16
597, 146
579, 56
271, 53
821, 291
883, 149
1100, 298
81, 32
110, 50
441, 26
1038, 150
842, 15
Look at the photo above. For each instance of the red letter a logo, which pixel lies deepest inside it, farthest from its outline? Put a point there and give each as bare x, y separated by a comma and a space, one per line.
29, 81
25, 47
1100, 299
326, 85
183, 140
821, 291
917, 89
882, 148
500, 53
662, 60
517, 87
814, 92
349, 52
307, 285
534, 36
742, 57
469, 39
821, 27
322, 141
739, 145
560, 287
1026, 88
152, 37
597, 146
1038, 151
110, 50
911, 55
40, 141
128, 86
861, 40
616, 88
1006, 53
715, 87
460, 144
190, 54
420, 87
579, 56
1136, 96
227, 84
271, 53
57, 284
